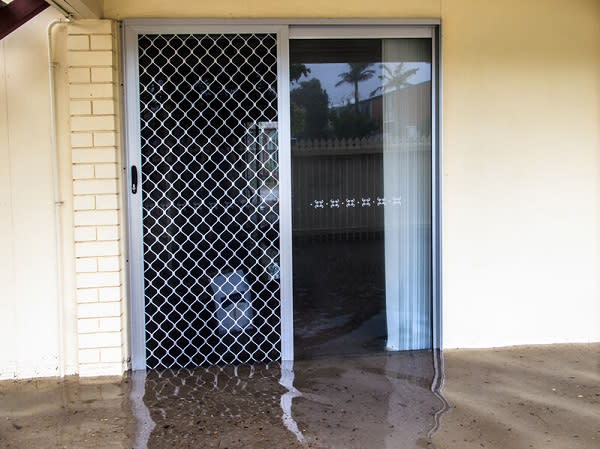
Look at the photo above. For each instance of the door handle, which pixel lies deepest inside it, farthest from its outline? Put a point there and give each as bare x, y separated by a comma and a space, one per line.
134, 179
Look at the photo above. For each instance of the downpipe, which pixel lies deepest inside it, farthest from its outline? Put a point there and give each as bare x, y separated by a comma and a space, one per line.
58, 200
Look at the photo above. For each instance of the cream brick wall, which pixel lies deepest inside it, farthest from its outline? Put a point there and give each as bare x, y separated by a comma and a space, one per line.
94, 128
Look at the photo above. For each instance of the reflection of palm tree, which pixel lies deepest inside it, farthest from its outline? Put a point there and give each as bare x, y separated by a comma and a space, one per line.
394, 80
359, 71
297, 71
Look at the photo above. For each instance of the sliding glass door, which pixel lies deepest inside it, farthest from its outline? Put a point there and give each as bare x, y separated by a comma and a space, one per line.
361, 146
279, 191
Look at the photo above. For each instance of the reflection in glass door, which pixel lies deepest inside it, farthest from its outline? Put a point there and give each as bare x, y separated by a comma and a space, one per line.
361, 127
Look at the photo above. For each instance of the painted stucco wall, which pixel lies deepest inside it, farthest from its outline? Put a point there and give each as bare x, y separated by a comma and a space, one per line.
521, 171
118, 9
28, 263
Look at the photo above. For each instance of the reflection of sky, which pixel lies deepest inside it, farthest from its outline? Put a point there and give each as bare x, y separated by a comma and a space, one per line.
328, 75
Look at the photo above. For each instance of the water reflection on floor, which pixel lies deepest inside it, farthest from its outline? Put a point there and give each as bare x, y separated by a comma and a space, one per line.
512, 398
346, 402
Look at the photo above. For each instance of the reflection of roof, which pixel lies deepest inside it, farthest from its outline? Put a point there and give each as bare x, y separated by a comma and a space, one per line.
407, 89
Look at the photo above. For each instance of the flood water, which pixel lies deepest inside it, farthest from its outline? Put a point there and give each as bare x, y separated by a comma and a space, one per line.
525, 397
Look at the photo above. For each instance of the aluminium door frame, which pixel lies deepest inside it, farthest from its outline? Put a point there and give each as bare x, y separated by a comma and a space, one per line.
285, 30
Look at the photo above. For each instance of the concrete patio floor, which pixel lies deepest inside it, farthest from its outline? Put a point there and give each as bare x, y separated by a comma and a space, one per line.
523, 397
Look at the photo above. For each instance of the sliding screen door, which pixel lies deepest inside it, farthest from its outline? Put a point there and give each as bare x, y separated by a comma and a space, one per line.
208, 198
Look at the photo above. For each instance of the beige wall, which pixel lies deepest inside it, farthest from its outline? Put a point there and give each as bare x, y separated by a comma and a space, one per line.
28, 263
521, 160
62, 308
120, 9
521, 143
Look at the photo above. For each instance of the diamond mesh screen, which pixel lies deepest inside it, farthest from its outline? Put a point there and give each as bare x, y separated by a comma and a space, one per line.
208, 107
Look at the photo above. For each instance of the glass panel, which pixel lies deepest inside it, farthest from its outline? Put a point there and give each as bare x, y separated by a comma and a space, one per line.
361, 188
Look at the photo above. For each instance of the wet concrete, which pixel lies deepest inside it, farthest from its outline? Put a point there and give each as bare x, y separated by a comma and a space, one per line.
538, 397
524, 397
71, 413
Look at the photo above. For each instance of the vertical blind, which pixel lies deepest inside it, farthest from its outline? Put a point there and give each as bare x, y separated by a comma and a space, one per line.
407, 185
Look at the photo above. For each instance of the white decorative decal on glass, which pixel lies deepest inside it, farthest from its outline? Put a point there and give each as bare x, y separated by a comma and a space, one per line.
352, 202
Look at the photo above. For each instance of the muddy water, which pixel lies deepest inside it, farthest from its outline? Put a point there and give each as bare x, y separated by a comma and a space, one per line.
539, 397
70, 413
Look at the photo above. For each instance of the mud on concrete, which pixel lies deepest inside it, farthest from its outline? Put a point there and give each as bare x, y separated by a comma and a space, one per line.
525, 397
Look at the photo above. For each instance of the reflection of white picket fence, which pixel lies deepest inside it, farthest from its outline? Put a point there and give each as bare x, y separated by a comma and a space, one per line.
357, 145
338, 183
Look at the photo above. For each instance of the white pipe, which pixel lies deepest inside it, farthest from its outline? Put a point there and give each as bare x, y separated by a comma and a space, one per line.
58, 203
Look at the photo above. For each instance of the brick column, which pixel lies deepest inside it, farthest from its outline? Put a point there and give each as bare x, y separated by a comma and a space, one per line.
93, 93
